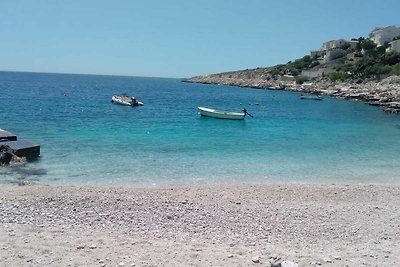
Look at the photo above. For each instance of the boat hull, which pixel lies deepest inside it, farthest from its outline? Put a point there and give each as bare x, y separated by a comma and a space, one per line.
125, 101
220, 114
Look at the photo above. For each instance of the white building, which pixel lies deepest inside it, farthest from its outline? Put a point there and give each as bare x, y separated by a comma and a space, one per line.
353, 44
382, 35
333, 49
333, 44
394, 46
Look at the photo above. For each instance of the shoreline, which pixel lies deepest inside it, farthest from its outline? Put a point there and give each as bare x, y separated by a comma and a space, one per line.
207, 225
385, 93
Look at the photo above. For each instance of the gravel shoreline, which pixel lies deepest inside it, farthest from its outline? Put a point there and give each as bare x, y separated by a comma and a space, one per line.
385, 93
214, 225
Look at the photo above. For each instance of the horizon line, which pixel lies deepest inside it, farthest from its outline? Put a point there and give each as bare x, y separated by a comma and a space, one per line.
93, 74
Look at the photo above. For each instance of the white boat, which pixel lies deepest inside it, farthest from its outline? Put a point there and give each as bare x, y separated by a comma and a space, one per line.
126, 100
220, 114
311, 97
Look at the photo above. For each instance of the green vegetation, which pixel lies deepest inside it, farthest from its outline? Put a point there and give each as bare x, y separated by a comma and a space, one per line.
374, 64
295, 67
364, 61
355, 61
395, 69
301, 79
339, 76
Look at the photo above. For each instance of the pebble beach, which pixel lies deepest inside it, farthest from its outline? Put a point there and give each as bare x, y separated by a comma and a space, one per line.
173, 134
210, 225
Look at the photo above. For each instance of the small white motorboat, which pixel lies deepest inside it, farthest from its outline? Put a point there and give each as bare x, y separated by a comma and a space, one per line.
220, 114
126, 100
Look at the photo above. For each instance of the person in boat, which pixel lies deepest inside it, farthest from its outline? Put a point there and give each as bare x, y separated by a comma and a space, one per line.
134, 101
246, 113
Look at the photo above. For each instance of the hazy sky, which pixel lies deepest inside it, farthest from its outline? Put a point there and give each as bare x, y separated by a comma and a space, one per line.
176, 38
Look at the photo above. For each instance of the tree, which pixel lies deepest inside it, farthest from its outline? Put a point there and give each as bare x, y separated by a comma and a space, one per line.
396, 69
358, 46
391, 58
367, 45
360, 68
379, 69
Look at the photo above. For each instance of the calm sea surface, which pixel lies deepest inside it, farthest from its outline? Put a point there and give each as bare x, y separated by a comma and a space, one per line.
85, 139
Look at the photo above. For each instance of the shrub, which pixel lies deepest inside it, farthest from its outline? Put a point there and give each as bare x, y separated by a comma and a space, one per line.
302, 79
368, 44
391, 58
314, 63
379, 69
396, 69
293, 72
339, 76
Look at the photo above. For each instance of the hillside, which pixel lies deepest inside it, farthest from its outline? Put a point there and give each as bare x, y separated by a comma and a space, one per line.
356, 69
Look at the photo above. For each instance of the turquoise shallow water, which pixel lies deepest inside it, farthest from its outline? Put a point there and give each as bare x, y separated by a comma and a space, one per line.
85, 139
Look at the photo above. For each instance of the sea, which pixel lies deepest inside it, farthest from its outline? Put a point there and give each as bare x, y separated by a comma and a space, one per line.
87, 140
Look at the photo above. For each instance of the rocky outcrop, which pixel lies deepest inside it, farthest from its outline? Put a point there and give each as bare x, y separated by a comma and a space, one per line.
8, 156
385, 93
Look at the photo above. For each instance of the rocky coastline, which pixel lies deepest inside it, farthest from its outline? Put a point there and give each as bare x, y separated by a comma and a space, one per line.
384, 93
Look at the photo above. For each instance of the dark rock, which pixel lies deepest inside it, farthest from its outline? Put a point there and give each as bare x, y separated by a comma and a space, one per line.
255, 259
6, 155
276, 263
5, 158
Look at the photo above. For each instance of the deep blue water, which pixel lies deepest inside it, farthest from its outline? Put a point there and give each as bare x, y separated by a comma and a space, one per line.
85, 139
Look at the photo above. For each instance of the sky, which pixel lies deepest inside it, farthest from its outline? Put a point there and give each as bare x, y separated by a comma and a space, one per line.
176, 38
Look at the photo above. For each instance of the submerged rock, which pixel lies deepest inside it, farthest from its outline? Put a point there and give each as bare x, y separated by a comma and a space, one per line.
25, 183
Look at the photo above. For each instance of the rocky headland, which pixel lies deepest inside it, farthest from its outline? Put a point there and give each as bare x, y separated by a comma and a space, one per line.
363, 69
385, 93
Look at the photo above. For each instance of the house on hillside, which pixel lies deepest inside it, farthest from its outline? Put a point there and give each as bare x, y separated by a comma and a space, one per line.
382, 35
336, 48
316, 54
394, 46
339, 44
332, 44
333, 49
